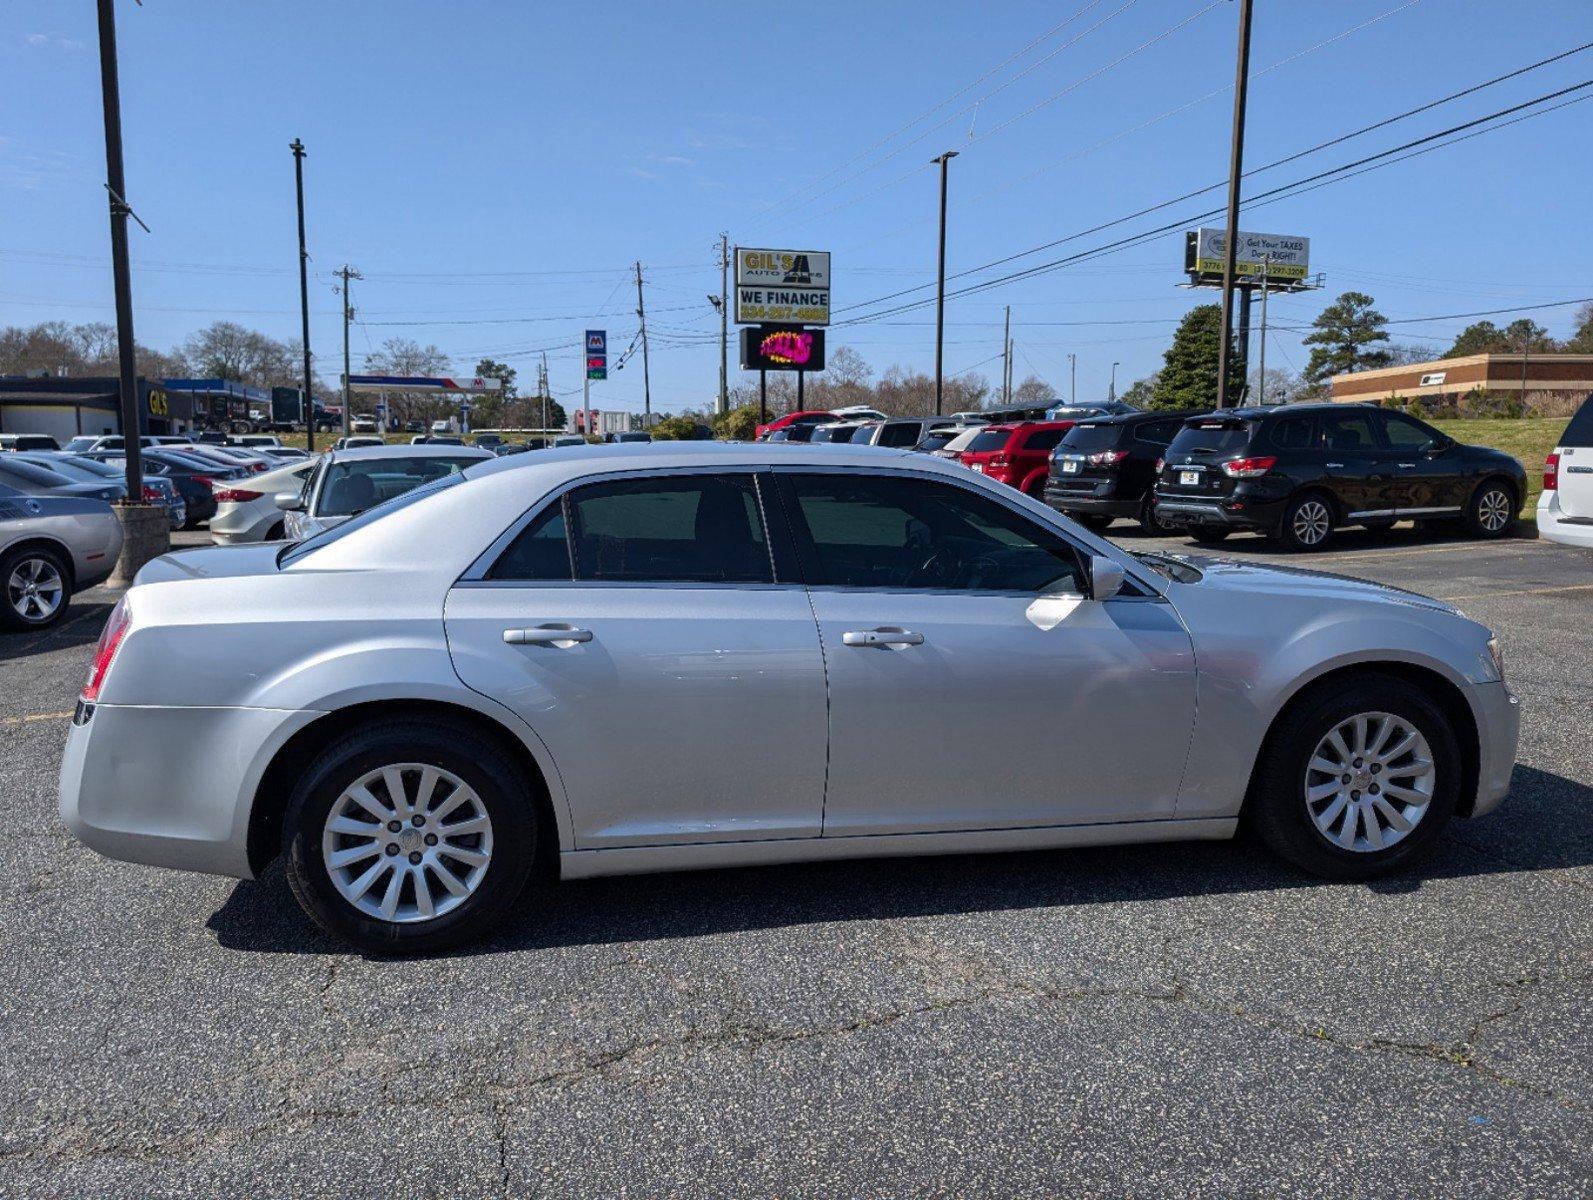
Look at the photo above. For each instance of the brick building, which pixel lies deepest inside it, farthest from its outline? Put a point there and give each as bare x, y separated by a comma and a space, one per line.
1447, 381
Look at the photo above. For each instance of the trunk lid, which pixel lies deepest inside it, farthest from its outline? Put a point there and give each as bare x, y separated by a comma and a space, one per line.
1192, 463
211, 562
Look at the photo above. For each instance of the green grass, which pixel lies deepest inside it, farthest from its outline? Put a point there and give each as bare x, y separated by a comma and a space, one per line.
1529, 440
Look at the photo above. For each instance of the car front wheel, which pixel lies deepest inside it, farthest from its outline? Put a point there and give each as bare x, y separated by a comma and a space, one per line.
37, 588
1356, 779
410, 837
1492, 510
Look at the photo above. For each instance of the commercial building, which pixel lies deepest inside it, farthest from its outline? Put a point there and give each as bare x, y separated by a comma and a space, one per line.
1447, 381
66, 407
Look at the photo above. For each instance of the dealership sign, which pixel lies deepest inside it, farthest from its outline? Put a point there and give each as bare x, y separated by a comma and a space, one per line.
790, 287
1277, 256
767, 348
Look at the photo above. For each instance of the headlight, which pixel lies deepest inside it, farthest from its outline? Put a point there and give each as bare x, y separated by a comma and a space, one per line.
1496, 652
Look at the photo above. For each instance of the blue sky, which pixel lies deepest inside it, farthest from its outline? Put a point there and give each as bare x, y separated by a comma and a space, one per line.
495, 168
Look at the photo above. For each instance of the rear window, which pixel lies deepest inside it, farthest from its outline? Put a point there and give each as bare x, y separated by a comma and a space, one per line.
1211, 437
1579, 433
352, 487
963, 440
292, 554
1092, 437
988, 439
863, 434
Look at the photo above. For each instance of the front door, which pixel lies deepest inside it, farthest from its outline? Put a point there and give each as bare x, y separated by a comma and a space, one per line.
971, 684
638, 627
1431, 474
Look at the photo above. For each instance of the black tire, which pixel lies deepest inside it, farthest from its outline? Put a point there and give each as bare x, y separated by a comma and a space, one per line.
1308, 523
502, 788
1094, 522
1276, 807
1208, 535
1491, 512
20, 610
1151, 524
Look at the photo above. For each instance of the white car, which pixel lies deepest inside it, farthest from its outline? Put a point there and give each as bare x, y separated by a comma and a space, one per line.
347, 482
1565, 509
258, 441
684, 655
246, 509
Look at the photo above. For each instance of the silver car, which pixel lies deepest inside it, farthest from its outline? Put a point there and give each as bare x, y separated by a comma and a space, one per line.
347, 482
654, 658
50, 547
246, 509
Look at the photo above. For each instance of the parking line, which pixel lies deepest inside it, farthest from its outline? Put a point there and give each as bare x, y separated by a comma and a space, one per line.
1568, 587
26, 718
1361, 555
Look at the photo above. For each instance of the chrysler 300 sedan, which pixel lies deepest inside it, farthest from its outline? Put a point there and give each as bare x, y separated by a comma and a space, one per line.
683, 655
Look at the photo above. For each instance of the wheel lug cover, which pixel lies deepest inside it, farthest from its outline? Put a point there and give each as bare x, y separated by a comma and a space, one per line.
1373, 789
1355, 795
414, 856
393, 827
1345, 778
1376, 768
392, 848
1357, 764
431, 839
417, 820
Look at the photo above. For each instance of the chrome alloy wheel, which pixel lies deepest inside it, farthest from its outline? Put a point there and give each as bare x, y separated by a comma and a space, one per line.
1311, 522
1493, 509
1369, 781
407, 842
35, 589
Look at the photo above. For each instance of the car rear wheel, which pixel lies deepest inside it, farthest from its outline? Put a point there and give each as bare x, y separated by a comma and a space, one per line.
1307, 523
1153, 525
409, 837
1356, 779
1492, 510
37, 588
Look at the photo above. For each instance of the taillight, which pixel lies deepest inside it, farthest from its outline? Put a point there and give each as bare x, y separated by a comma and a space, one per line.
257, 467
1551, 473
1000, 460
208, 481
116, 627
236, 495
1160, 463
1248, 468
1108, 458
151, 496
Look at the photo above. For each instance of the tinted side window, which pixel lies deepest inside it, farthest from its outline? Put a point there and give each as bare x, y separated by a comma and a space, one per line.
1292, 433
893, 532
699, 529
1351, 432
1405, 434
540, 551
1046, 439
903, 434
1579, 432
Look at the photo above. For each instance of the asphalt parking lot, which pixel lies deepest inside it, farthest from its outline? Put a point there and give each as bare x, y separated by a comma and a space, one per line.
1189, 1020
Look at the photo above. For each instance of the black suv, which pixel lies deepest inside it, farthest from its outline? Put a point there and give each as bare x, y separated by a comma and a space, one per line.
1299, 471
1106, 467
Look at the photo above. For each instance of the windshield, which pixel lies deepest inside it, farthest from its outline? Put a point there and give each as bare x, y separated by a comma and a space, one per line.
1211, 437
352, 487
1092, 437
292, 554
75, 468
80, 444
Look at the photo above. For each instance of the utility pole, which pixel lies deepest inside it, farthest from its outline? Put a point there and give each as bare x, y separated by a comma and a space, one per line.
1235, 170
121, 273
1073, 375
724, 323
1111, 391
347, 272
307, 408
1261, 370
940, 284
542, 387
1006, 359
647, 386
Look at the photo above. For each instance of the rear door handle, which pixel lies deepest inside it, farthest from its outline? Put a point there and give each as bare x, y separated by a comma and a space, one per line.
545, 635
1407, 466
1334, 466
881, 637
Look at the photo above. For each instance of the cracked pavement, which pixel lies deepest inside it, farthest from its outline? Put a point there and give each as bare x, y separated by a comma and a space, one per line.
1190, 1020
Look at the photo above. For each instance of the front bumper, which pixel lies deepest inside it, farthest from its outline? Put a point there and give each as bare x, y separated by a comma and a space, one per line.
1498, 715
171, 787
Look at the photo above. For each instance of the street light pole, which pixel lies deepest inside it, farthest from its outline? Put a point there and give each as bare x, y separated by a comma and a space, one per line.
724, 323
307, 408
1261, 368
1111, 392
1235, 170
1073, 379
940, 286
121, 273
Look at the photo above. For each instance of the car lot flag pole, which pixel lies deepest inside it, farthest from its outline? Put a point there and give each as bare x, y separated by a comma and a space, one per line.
1235, 170
307, 404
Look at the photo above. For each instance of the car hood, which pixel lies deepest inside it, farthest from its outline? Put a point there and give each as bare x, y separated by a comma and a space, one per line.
1226, 574
211, 562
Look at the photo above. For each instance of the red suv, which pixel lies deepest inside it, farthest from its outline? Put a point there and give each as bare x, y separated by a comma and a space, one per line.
1018, 454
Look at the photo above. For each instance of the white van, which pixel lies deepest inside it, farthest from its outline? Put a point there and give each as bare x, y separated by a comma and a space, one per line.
1565, 510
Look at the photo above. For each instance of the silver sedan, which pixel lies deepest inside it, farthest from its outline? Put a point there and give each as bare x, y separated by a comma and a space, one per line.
685, 655
50, 547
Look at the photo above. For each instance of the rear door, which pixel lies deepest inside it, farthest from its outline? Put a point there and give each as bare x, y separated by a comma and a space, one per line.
1576, 464
639, 627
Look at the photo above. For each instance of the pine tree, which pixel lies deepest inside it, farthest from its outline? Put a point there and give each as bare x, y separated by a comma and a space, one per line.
1349, 336
1188, 378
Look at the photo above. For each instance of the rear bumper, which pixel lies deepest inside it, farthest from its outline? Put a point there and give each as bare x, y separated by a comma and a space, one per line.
1231, 513
1558, 526
1103, 499
1498, 715
171, 787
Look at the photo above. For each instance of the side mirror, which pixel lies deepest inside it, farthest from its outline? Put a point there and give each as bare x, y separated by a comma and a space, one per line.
1438, 447
288, 501
1106, 577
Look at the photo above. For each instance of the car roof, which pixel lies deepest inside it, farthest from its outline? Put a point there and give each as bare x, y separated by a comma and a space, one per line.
429, 450
1148, 414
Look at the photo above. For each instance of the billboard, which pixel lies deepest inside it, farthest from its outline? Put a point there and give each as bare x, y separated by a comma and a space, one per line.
1282, 257
597, 354
773, 348
790, 287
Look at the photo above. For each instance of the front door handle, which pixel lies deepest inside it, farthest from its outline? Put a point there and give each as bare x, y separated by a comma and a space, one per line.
545, 635
1407, 466
881, 637
1334, 466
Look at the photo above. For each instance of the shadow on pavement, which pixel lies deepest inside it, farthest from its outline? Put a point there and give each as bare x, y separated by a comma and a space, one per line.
1398, 537
80, 627
1547, 824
